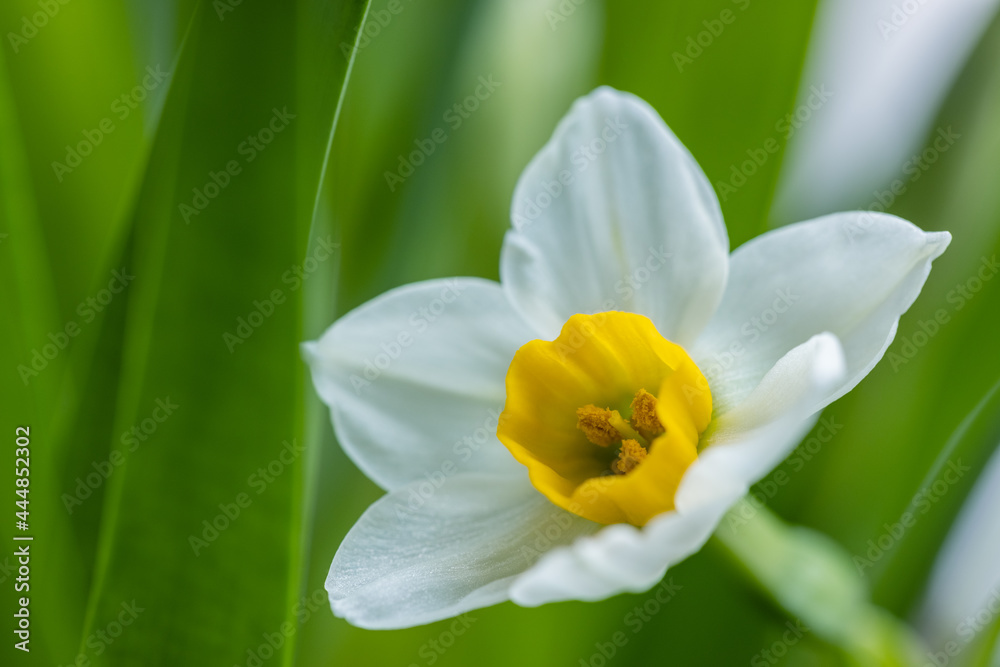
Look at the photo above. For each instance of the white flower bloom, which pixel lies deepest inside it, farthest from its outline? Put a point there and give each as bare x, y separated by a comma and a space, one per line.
646, 376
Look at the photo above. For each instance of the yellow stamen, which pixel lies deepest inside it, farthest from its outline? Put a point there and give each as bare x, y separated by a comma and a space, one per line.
630, 456
604, 427
595, 423
644, 419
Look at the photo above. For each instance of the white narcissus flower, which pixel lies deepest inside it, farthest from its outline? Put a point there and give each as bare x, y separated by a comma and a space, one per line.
646, 378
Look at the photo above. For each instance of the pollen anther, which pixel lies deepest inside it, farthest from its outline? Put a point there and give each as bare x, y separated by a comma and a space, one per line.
644, 419
604, 427
630, 456
595, 423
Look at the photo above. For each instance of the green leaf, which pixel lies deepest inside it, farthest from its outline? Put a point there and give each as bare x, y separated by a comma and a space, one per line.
28, 301
986, 647
83, 175
968, 442
223, 256
82, 142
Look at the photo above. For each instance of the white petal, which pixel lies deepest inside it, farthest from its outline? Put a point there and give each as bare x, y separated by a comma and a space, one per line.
852, 274
415, 379
621, 558
615, 214
422, 553
742, 447
748, 441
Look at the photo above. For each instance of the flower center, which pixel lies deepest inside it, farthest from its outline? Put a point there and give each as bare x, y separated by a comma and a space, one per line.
604, 428
581, 415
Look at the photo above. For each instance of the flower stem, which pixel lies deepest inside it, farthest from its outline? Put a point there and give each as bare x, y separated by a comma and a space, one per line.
811, 578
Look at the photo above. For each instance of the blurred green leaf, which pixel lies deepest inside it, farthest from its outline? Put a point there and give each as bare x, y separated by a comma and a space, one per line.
28, 301
27, 287
974, 436
86, 113
448, 215
987, 649
724, 75
66, 83
221, 253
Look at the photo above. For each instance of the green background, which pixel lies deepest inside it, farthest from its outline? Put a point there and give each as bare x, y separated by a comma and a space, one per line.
232, 65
